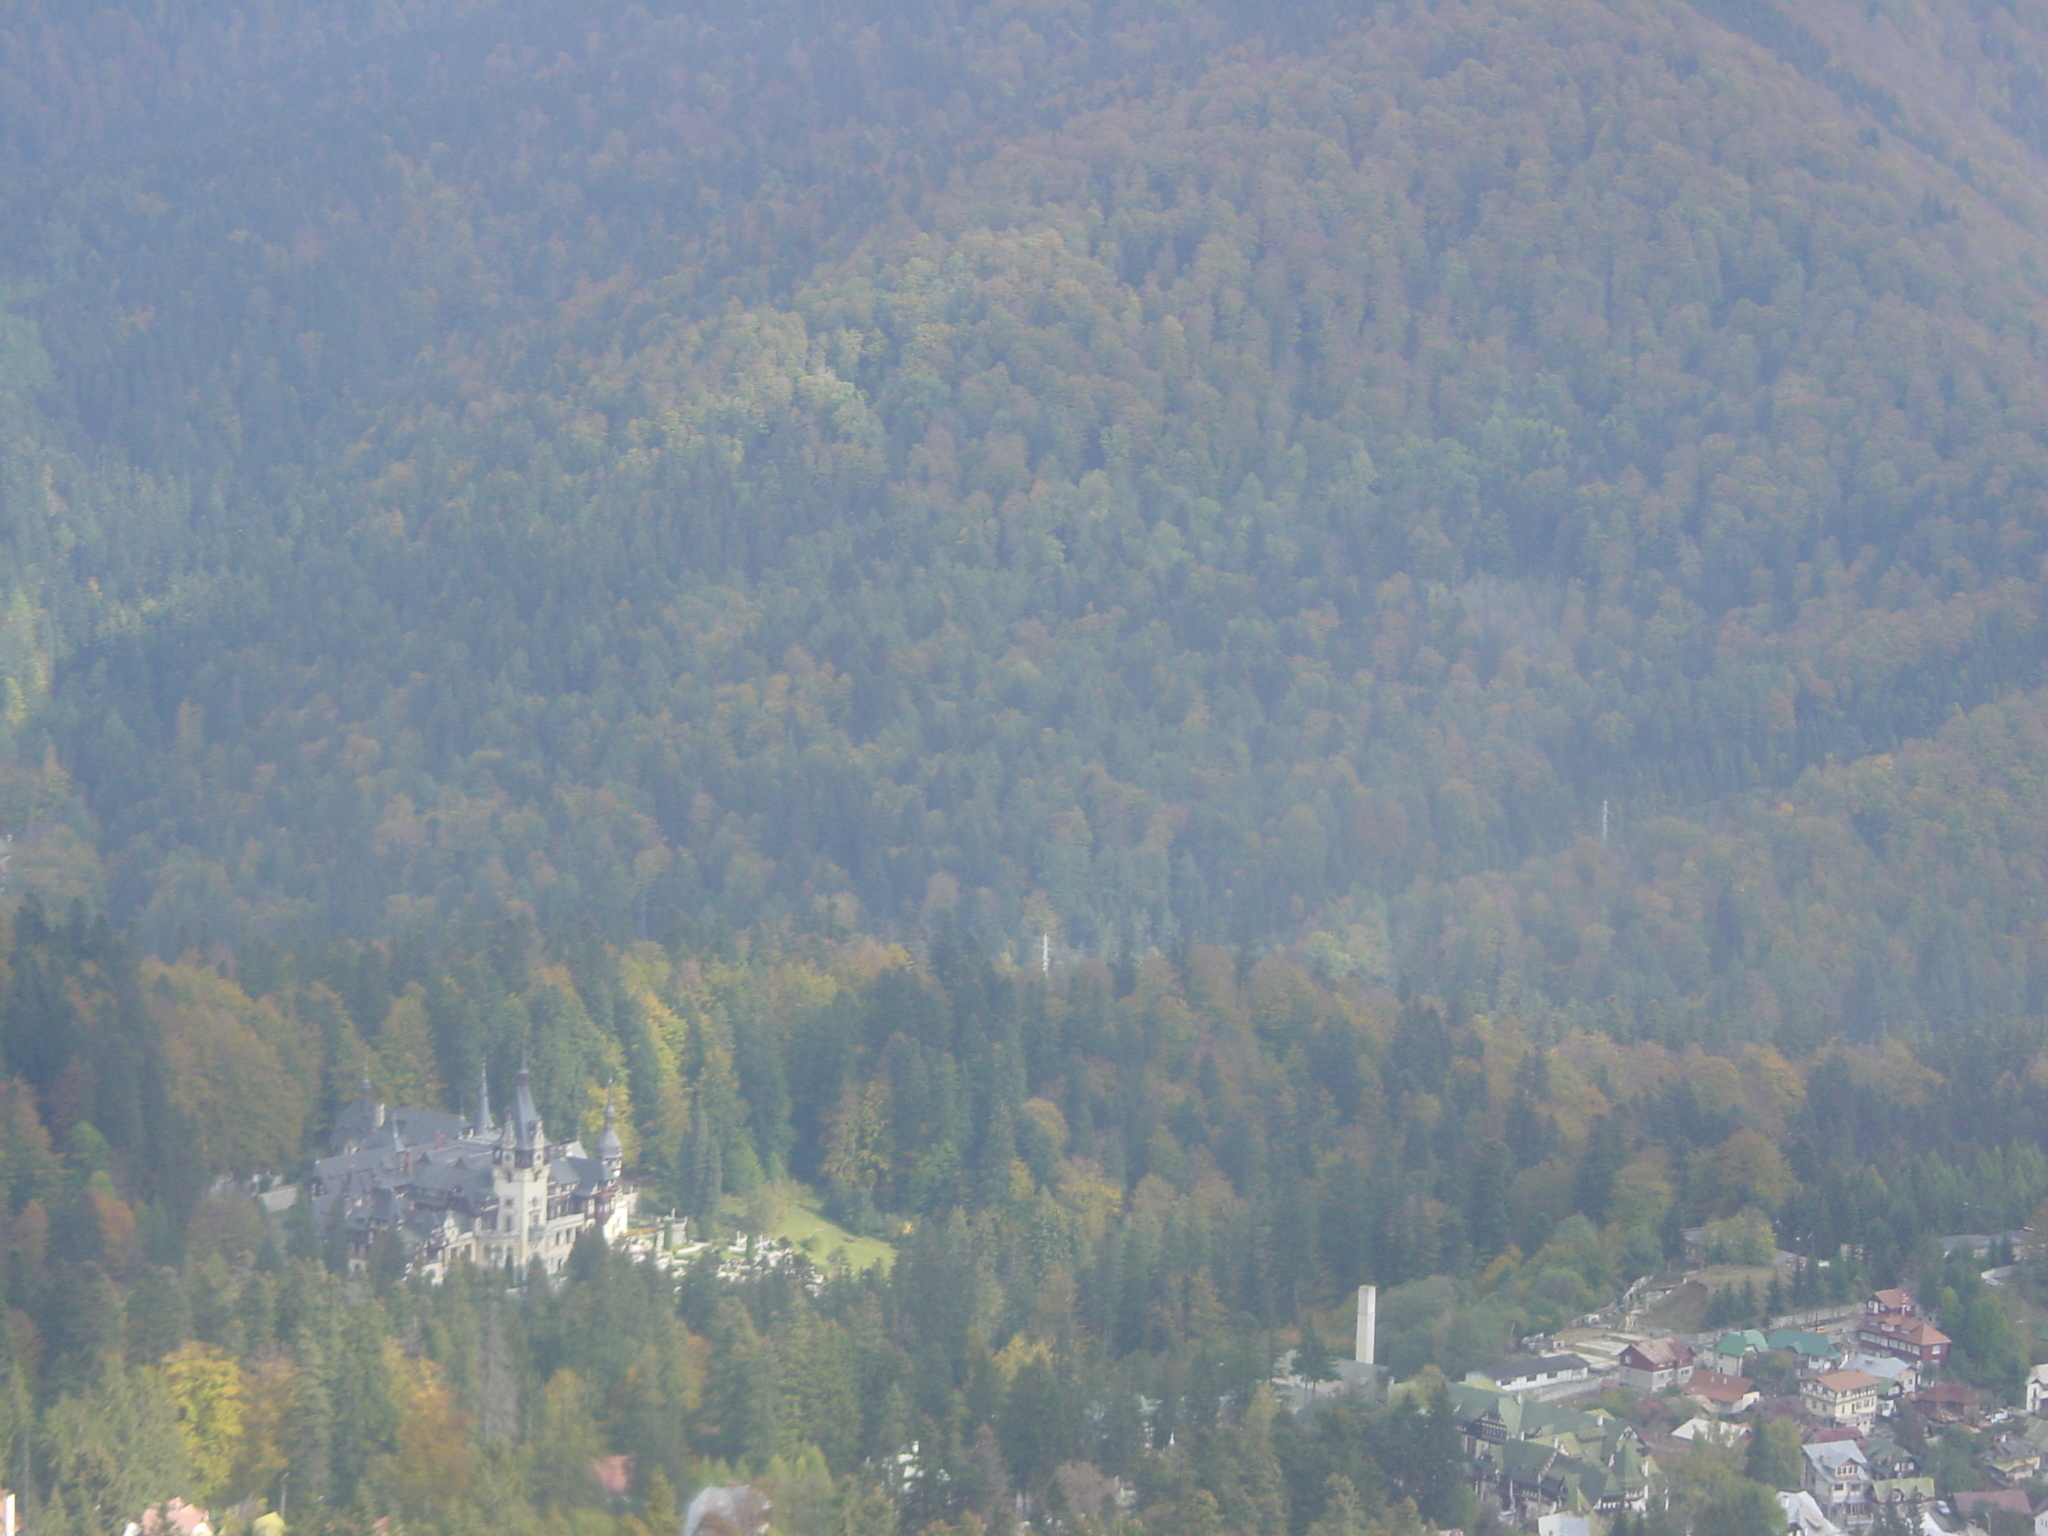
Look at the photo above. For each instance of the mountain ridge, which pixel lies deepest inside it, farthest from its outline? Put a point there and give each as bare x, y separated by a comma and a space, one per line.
1103, 538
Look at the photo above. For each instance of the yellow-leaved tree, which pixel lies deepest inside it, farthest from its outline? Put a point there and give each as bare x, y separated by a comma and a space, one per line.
430, 1470
205, 1385
243, 1074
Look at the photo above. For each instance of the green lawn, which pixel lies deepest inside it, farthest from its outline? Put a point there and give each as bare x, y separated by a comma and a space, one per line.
789, 1212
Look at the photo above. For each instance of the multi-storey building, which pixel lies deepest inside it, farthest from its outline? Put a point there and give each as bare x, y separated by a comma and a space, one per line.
1651, 1365
1838, 1476
453, 1188
1537, 1458
1841, 1397
1892, 1325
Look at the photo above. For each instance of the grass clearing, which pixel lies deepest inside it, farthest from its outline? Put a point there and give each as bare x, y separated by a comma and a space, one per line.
790, 1212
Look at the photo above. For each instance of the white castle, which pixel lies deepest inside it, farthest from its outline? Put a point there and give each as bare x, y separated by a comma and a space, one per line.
454, 1188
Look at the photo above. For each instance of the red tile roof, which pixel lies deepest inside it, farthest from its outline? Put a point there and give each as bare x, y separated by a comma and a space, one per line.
1718, 1388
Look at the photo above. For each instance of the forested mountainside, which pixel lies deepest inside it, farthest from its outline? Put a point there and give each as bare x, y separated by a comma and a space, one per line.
1172, 656
1139, 474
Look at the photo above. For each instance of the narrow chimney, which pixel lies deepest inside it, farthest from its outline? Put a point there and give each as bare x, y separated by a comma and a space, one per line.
1368, 1323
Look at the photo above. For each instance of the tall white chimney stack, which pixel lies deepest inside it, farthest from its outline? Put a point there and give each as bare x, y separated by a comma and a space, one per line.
1368, 1323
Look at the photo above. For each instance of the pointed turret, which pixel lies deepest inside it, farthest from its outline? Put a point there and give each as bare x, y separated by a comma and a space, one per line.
528, 1139
610, 1150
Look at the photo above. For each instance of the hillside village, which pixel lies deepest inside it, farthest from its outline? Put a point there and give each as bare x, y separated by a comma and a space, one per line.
1577, 1431
1588, 1428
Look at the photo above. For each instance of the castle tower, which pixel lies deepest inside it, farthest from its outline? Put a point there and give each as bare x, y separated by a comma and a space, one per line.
523, 1188
529, 1139
610, 1150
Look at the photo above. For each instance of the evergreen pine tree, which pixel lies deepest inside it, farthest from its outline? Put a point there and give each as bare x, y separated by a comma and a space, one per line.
498, 1391
704, 1174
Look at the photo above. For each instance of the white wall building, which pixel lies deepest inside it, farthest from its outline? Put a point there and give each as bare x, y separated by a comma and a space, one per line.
450, 1189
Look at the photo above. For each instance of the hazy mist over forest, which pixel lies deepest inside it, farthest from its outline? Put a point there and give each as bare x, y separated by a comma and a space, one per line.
1154, 657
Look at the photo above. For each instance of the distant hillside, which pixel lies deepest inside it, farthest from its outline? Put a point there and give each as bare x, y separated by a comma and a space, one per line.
1219, 473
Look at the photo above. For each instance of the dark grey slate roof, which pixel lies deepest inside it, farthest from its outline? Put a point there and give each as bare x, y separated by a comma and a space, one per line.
580, 1173
526, 1127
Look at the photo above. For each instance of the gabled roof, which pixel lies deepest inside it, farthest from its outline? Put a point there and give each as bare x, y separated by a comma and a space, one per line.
1835, 1454
1832, 1432
1738, 1342
1518, 1367
2010, 1499
1845, 1381
1471, 1401
2034, 1431
1803, 1517
1714, 1431
581, 1173
1658, 1354
1886, 1454
1717, 1387
1953, 1393
359, 1125
1800, 1342
1885, 1368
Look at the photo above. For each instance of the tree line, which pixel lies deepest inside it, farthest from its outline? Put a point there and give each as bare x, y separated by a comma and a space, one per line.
1114, 1194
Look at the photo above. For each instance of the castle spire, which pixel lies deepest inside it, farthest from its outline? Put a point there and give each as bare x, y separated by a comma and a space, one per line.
610, 1150
528, 1138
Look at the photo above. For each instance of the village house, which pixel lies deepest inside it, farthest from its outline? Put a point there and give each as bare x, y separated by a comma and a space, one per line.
2037, 1388
1803, 1517
1720, 1393
1892, 1325
1978, 1507
1896, 1481
1712, 1431
1532, 1479
1838, 1477
1534, 1458
1886, 1458
1841, 1397
1895, 1375
1526, 1373
1728, 1352
1905, 1497
1949, 1402
2020, 1452
1812, 1349
1651, 1366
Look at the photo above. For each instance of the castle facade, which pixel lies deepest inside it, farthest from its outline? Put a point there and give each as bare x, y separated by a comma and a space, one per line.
454, 1188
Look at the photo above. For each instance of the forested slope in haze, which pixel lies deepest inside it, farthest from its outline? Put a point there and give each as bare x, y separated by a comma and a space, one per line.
1169, 657
1130, 473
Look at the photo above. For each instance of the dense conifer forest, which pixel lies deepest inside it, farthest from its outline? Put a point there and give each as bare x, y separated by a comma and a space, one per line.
1165, 655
